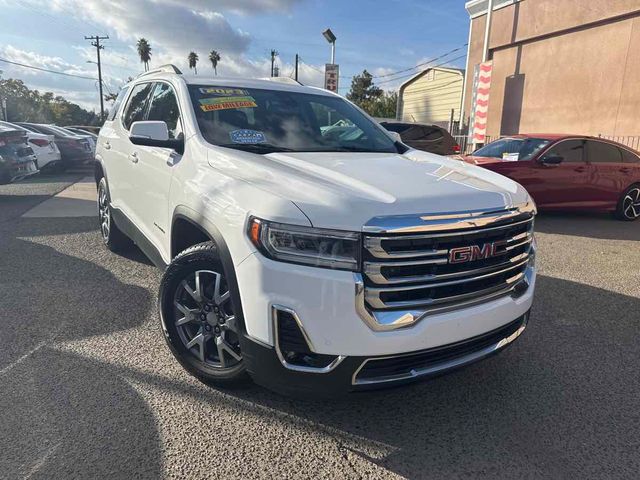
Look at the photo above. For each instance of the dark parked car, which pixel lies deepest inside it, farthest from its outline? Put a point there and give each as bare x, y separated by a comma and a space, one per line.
430, 138
75, 150
568, 172
17, 159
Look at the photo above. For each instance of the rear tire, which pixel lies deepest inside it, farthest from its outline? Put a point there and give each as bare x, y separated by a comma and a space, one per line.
628, 208
198, 317
112, 236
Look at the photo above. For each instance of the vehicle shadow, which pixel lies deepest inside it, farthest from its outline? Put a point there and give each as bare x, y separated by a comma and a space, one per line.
547, 403
65, 416
599, 226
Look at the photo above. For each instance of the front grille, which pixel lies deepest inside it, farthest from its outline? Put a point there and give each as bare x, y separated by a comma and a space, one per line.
437, 359
405, 271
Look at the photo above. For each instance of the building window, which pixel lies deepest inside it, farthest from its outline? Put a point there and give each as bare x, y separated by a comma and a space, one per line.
431, 75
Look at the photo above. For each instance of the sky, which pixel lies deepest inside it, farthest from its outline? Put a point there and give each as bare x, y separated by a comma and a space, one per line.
382, 36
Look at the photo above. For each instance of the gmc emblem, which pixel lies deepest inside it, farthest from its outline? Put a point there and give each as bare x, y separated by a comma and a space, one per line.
476, 252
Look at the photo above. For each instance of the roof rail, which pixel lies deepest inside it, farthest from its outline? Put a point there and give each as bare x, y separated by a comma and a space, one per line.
288, 80
167, 68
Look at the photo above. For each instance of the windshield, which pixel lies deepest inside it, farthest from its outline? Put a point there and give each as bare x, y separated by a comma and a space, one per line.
265, 121
513, 149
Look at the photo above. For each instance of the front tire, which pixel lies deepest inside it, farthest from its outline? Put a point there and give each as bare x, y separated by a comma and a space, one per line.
111, 235
198, 316
628, 208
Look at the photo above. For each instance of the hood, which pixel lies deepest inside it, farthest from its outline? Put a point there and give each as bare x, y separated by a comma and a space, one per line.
345, 190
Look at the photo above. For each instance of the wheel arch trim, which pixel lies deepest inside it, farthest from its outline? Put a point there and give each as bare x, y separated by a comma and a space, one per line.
183, 212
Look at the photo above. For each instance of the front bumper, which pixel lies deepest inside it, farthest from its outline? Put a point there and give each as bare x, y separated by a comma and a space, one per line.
324, 305
356, 373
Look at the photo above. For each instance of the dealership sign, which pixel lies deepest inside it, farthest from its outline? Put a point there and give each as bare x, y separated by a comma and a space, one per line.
480, 101
331, 77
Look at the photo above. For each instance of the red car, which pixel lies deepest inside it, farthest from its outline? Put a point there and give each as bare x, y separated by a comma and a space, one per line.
568, 172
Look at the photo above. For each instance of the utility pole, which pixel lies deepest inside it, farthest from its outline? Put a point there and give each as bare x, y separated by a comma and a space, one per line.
96, 43
296, 75
3, 104
274, 54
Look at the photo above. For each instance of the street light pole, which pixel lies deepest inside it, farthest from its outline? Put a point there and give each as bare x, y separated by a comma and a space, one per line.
331, 38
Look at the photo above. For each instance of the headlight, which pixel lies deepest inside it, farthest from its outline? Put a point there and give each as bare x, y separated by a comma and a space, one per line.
309, 246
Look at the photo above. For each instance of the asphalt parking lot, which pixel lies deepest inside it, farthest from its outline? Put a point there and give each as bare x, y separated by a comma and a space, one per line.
89, 389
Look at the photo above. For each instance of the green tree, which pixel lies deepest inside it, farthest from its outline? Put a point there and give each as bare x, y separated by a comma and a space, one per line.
144, 52
363, 92
372, 99
214, 58
193, 61
384, 106
26, 105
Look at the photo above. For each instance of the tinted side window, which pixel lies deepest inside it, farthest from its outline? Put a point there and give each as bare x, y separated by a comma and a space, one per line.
571, 151
600, 152
164, 107
136, 106
432, 133
116, 106
396, 127
628, 157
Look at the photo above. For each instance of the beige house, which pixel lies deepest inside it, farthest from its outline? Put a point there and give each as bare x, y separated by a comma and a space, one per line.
561, 66
431, 96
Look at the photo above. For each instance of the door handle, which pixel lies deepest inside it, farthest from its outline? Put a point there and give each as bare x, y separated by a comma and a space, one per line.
624, 170
134, 157
107, 146
579, 169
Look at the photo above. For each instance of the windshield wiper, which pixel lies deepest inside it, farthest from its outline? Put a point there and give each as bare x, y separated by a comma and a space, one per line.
257, 147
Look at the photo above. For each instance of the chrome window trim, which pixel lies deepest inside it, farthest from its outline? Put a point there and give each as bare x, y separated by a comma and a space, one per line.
457, 362
447, 220
297, 368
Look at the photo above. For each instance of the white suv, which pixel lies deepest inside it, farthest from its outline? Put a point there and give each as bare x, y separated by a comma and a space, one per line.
304, 245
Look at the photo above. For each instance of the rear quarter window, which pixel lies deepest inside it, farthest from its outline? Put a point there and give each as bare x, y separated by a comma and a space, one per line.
629, 157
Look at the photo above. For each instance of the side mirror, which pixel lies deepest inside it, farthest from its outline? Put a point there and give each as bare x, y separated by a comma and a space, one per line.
553, 159
395, 136
154, 134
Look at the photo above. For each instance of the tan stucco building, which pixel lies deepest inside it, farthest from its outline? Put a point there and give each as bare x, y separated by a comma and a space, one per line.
566, 66
432, 96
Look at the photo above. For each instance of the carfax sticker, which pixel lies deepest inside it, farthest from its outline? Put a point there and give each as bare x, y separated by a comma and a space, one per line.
223, 91
247, 136
224, 103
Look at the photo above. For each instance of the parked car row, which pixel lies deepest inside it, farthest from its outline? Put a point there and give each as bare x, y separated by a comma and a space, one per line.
53, 148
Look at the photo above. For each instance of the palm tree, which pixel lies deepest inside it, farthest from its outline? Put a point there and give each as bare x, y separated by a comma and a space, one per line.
214, 58
144, 51
193, 61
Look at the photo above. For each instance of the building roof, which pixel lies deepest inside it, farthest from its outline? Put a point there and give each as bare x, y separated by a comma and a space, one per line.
421, 73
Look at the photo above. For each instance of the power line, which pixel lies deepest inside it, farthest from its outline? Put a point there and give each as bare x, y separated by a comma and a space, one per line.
46, 70
421, 64
414, 73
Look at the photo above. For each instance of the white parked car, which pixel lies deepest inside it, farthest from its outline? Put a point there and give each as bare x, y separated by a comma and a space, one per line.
318, 263
43, 146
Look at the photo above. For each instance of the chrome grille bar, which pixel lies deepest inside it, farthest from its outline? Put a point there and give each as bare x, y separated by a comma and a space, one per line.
454, 261
373, 271
372, 295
